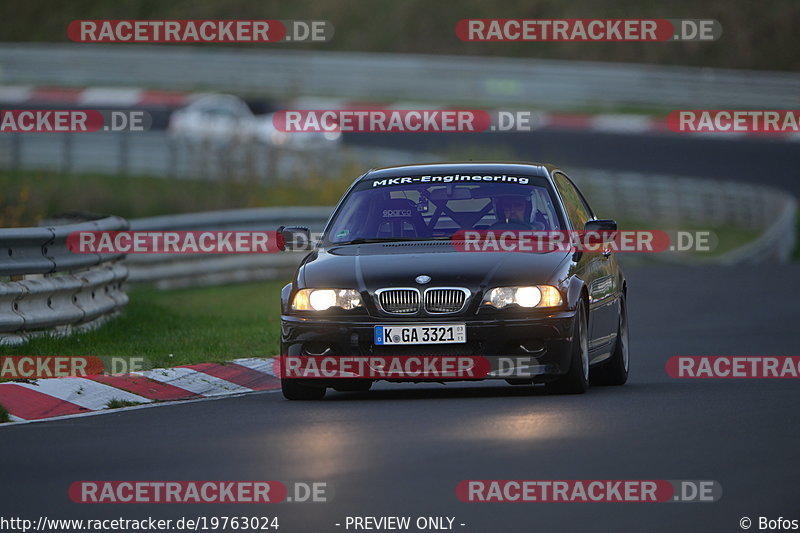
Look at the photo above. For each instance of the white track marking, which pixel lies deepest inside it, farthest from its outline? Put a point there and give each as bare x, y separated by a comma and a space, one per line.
194, 381
83, 392
258, 364
15, 94
112, 96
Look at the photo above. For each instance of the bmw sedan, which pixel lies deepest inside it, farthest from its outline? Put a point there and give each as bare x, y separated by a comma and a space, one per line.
391, 279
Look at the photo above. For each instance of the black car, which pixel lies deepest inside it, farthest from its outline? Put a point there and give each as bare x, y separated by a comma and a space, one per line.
388, 279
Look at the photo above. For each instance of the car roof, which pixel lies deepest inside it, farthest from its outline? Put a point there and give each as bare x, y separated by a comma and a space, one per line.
463, 167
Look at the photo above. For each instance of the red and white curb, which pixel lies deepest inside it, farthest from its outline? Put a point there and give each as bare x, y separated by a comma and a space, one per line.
47, 398
94, 97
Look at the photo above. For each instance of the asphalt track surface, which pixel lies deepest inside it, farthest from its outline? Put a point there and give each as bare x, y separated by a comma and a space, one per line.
401, 449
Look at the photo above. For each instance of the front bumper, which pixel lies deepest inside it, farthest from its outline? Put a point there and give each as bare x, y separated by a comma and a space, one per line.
538, 346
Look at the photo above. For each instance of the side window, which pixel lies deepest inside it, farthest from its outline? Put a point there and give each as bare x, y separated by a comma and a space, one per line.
577, 210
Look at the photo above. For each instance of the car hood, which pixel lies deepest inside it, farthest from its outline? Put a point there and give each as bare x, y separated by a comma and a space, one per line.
373, 266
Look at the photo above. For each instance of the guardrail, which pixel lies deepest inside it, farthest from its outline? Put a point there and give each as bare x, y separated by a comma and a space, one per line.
676, 200
776, 243
45, 288
51, 289
180, 270
547, 84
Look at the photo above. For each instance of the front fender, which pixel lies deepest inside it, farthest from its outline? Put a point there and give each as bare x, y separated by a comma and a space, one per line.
286, 293
574, 290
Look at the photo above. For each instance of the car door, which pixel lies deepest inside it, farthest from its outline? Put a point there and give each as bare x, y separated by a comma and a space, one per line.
598, 272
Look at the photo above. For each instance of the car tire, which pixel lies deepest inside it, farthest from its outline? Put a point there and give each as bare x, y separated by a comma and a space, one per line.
292, 390
576, 380
615, 370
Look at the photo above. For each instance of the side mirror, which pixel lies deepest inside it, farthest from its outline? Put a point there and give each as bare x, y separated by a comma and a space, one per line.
294, 238
600, 225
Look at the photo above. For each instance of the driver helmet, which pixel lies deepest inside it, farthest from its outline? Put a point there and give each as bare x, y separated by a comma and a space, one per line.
512, 208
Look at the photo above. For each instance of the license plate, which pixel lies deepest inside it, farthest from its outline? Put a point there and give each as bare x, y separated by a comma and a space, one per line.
427, 334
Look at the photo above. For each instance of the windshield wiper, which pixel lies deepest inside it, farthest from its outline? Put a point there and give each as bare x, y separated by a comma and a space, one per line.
365, 240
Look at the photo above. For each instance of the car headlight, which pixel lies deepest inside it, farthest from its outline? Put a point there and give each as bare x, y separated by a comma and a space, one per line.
322, 299
535, 296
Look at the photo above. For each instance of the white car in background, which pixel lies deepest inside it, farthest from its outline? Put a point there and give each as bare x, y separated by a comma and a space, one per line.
224, 118
218, 117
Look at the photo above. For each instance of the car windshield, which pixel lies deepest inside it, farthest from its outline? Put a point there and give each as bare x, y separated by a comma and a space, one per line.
435, 207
